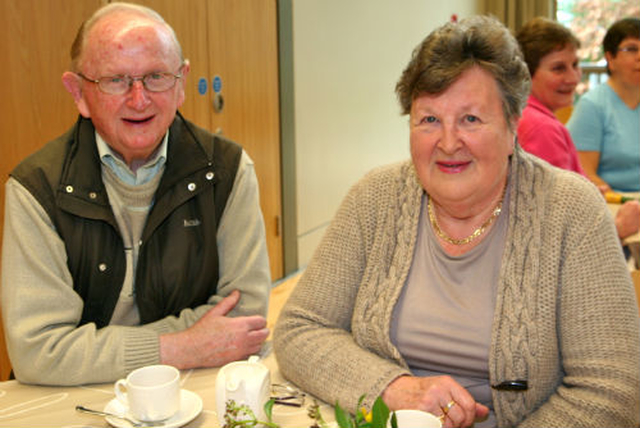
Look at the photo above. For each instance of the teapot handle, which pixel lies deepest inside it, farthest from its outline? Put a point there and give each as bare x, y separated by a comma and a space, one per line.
233, 383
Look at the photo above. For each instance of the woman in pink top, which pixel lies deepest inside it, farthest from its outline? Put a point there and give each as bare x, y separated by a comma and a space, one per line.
550, 51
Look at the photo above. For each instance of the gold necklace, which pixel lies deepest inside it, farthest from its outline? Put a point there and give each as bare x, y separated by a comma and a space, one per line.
476, 233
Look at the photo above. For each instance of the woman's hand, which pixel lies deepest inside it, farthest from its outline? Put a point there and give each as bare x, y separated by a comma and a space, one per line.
602, 187
628, 219
590, 161
434, 395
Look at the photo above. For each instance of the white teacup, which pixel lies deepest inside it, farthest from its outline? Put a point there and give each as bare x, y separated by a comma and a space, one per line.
245, 382
416, 419
152, 392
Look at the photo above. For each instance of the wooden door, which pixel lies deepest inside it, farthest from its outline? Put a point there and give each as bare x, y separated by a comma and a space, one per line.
236, 41
246, 62
35, 107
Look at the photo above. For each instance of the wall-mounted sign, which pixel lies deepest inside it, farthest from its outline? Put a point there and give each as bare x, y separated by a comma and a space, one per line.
202, 86
216, 84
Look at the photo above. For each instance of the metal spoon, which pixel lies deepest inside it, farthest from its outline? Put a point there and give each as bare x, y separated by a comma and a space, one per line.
133, 423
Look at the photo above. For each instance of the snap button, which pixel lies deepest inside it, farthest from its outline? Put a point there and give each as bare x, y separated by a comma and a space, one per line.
102, 267
191, 186
69, 189
93, 195
210, 175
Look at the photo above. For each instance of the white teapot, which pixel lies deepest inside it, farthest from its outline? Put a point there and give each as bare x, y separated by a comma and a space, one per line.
245, 382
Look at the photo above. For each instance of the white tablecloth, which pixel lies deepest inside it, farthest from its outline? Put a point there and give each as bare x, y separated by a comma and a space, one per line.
37, 406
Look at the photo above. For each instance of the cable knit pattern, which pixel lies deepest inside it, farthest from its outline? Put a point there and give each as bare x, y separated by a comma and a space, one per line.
395, 248
566, 317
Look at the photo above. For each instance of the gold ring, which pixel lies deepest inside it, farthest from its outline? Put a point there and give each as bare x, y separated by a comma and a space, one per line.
448, 407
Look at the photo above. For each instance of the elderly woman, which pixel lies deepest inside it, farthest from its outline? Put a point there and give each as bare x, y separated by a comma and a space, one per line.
605, 124
550, 51
475, 281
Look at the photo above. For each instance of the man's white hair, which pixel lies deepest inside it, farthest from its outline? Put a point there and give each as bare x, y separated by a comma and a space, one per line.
114, 8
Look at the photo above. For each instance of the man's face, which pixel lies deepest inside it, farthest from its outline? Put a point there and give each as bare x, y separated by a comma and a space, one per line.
134, 123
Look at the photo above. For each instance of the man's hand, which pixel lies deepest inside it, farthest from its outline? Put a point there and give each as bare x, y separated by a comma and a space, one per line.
433, 394
215, 339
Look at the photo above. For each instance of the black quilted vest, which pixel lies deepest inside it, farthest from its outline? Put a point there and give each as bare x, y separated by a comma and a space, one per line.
178, 260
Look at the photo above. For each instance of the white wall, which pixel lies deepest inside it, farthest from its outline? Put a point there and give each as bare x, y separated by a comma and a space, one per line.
347, 57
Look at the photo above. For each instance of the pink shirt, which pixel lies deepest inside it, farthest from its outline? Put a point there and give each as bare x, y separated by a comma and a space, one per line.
542, 134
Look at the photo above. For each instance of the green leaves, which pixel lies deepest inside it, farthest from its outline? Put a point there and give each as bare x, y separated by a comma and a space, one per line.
268, 409
314, 413
343, 418
377, 418
394, 420
240, 416
380, 414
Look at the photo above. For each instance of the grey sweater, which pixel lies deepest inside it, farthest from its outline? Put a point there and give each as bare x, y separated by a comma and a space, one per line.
41, 310
565, 319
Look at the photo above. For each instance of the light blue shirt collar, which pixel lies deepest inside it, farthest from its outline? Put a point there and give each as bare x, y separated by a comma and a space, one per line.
144, 173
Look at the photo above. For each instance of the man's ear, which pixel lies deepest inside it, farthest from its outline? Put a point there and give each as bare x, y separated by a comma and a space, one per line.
186, 67
73, 85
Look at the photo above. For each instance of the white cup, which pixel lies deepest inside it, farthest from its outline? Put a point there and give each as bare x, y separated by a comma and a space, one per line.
246, 383
415, 419
152, 392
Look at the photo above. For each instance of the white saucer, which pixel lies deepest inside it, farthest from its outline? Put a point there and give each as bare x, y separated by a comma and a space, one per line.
190, 407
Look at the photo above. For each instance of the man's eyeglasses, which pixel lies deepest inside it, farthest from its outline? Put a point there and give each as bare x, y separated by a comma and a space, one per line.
120, 84
631, 49
286, 395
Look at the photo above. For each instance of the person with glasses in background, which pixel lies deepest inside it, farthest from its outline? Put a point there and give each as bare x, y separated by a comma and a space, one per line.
136, 238
605, 124
550, 51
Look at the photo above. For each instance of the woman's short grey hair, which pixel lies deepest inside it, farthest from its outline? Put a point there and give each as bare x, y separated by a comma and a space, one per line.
118, 7
453, 48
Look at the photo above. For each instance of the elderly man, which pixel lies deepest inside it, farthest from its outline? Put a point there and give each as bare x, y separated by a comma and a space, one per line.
135, 238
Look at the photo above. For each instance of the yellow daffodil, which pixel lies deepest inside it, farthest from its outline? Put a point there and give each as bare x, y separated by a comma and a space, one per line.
368, 416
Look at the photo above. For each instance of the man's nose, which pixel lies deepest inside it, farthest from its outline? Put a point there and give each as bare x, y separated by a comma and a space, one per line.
138, 95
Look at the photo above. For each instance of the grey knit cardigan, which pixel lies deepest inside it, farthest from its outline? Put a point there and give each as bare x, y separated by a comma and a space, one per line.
565, 319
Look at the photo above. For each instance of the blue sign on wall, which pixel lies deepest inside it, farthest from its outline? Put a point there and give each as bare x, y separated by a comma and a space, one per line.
202, 86
216, 84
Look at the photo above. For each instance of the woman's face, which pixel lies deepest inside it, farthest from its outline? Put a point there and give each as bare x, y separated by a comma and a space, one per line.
625, 66
556, 78
461, 141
